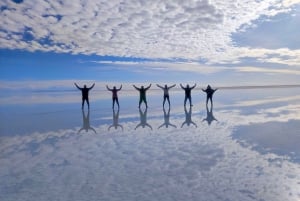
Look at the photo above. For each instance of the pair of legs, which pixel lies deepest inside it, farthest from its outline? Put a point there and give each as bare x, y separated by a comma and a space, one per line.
143, 100
115, 100
188, 98
166, 97
209, 98
87, 101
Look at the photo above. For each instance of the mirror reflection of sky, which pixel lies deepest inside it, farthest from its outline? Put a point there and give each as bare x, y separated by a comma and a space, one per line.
244, 148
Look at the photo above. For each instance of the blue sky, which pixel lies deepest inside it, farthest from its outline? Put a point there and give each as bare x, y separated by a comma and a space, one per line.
223, 43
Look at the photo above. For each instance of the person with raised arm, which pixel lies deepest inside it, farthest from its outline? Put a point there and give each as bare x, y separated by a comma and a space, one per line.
166, 93
114, 91
188, 91
142, 91
209, 94
85, 94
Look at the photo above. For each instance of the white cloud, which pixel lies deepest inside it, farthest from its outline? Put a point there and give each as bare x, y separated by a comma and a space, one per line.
157, 29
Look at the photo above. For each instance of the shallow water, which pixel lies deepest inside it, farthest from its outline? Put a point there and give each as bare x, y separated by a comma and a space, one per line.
244, 148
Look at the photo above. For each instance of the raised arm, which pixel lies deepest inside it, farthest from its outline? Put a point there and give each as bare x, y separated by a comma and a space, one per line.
92, 86
135, 87
182, 86
159, 86
108, 88
120, 88
172, 86
194, 86
77, 86
148, 87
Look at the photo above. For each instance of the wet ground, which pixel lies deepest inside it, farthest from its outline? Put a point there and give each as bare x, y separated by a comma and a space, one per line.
245, 147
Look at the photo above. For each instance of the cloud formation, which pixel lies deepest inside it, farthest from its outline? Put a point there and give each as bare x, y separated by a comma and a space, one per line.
158, 29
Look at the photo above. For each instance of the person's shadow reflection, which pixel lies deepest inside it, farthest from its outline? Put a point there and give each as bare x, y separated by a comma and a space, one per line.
143, 119
116, 120
188, 118
86, 122
209, 115
167, 119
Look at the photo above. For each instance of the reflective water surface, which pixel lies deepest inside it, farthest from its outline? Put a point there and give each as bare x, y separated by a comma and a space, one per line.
244, 147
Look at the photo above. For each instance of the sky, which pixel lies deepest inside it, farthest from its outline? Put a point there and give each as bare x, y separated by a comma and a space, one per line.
238, 42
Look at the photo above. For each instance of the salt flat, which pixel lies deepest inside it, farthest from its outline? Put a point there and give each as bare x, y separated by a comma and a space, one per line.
244, 148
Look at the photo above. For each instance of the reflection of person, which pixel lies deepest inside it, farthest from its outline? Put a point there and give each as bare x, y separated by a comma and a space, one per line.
188, 118
209, 115
142, 91
166, 93
86, 122
209, 93
167, 119
188, 96
143, 119
114, 91
85, 94
115, 120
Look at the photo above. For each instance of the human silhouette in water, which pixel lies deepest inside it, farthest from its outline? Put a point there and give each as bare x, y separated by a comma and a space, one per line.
114, 91
188, 96
188, 118
86, 122
166, 93
115, 120
167, 119
85, 94
142, 91
209, 94
143, 119
209, 115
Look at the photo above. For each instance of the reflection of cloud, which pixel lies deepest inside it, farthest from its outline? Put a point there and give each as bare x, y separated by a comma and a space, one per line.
281, 138
187, 163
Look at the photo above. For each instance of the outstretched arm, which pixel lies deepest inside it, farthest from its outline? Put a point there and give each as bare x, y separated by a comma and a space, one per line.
172, 86
108, 88
135, 87
194, 86
204, 90
120, 88
159, 86
148, 87
92, 86
77, 86
182, 86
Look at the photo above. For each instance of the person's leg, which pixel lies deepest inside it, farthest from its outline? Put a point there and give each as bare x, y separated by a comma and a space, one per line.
82, 103
145, 101
140, 102
113, 104
168, 99
185, 99
190, 100
117, 100
88, 103
164, 101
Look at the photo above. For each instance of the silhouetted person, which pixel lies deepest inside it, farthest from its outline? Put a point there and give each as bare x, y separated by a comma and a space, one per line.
115, 120
188, 91
188, 118
166, 93
86, 122
209, 115
209, 94
142, 91
143, 119
167, 119
85, 94
114, 91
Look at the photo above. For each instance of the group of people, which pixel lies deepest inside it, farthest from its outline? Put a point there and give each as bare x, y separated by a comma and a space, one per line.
142, 91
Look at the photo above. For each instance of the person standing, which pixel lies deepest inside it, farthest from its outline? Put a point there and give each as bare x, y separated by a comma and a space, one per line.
166, 93
209, 94
85, 94
188, 91
114, 91
142, 91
